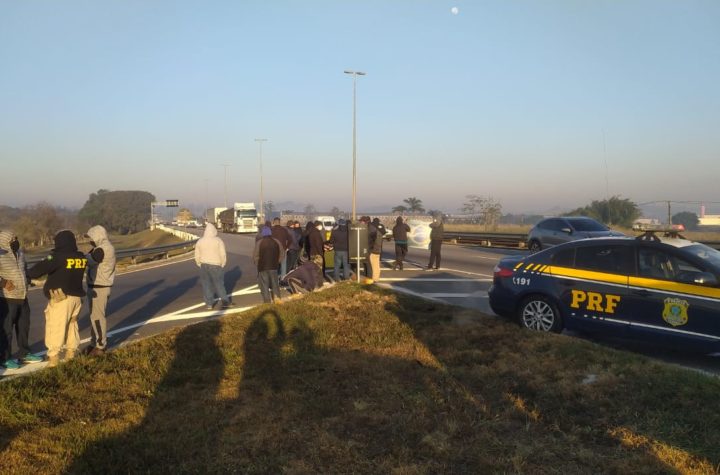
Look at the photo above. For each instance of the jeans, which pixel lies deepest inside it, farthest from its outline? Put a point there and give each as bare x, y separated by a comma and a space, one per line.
341, 259
212, 279
15, 315
400, 253
267, 280
292, 259
98, 299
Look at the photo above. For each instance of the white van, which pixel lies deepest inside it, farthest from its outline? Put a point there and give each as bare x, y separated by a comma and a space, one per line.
327, 221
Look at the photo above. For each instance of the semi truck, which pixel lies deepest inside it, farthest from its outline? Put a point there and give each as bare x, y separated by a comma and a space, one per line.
241, 218
212, 215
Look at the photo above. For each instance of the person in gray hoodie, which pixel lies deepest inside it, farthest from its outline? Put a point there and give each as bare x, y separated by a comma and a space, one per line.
14, 307
211, 257
100, 278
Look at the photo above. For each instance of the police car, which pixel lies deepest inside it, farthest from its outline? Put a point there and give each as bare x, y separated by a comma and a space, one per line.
658, 287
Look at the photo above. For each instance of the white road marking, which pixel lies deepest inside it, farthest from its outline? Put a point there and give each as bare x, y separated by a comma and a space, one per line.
443, 295
430, 279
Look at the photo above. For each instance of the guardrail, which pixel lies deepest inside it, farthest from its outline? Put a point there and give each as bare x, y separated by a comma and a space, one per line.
133, 254
488, 239
507, 240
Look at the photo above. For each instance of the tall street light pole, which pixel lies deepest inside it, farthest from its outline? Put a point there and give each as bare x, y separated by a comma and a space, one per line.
262, 201
354, 74
226, 168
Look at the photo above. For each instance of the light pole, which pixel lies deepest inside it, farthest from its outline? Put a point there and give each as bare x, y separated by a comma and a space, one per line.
354, 74
262, 201
226, 167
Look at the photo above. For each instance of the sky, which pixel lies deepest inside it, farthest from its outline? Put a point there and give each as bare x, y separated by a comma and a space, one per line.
544, 105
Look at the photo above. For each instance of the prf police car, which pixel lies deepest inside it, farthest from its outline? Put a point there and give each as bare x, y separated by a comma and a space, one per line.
658, 287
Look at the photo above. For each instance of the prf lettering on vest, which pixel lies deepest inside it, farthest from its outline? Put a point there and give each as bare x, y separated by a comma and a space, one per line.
76, 263
594, 301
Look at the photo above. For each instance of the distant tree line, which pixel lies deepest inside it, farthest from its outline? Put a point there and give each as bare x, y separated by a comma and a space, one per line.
37, 224
614, 211
121, 212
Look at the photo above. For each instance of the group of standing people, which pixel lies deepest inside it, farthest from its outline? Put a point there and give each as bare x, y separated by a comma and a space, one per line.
64, 268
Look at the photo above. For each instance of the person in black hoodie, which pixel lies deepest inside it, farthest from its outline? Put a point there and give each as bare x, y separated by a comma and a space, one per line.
339, 243
400, 232
64, 267
437, 233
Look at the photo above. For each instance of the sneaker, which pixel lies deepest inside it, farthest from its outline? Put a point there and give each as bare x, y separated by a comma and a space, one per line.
12, 364
228, 305
31, 358
97, 352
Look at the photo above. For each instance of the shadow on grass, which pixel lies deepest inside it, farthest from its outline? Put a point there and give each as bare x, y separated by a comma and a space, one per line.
631, 417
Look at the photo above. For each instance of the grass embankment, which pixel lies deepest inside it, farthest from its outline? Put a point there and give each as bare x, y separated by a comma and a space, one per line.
360, 380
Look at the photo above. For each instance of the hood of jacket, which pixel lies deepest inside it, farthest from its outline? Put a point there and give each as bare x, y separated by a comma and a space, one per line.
12, 267
65, 241
98, 235
210, 231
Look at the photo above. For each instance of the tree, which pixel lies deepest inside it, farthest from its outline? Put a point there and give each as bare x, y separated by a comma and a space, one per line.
414, 205
310, 212
614, 211
687, 219
184, 215
269, 208
122, 212
484, 210
336, 213
400, 209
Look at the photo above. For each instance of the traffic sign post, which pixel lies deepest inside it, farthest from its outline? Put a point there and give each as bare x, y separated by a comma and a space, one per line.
166, 203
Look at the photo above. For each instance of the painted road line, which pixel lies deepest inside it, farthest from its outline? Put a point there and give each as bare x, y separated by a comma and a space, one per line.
408, 292
253, 289
429, 279
443, 295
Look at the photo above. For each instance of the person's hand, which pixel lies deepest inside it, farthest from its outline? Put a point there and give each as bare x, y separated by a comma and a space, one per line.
57, 295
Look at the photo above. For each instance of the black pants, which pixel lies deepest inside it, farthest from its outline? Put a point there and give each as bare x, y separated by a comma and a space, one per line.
15, 315
435, 246
400, 253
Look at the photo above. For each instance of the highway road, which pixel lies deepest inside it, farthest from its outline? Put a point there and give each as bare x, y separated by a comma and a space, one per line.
151, 299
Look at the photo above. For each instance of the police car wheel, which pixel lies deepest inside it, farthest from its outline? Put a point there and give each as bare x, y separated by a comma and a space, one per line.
539, 313
535, 246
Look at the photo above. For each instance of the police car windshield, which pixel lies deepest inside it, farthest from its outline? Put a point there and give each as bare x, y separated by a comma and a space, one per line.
705, 253
587, 225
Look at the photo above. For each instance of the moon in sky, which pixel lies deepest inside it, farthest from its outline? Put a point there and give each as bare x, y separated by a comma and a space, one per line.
455, 10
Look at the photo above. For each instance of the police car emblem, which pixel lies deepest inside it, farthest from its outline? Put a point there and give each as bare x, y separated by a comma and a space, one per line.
675, 312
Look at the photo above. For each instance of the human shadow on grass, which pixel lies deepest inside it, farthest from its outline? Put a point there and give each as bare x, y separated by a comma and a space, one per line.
280, 403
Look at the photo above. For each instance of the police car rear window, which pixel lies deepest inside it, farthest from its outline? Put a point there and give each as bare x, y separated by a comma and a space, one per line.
613, 259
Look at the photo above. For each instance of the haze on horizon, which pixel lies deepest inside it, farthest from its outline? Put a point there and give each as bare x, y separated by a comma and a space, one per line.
542, 105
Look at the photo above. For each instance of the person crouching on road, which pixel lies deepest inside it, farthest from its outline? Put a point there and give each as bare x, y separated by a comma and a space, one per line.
306, 277
14, 307
64, 267
210, 257
100, 278
267, 256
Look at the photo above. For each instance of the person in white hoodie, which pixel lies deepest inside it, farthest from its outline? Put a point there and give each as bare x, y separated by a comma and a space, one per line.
210, 257
100, 278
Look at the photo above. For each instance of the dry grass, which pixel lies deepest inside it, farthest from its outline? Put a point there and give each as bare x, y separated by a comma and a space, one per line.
360, 380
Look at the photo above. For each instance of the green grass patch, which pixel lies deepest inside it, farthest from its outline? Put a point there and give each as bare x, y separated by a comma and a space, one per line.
360, 380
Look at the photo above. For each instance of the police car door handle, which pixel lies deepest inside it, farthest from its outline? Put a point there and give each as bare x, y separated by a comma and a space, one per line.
641, 293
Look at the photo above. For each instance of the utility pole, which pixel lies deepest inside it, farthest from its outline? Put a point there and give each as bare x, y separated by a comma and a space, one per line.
262, 201
226, 165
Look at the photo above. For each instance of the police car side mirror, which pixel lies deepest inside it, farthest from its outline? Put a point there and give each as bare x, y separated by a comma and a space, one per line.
566, 230
705, 279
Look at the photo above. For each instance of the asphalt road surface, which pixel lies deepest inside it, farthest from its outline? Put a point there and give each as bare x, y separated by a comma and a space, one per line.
151, 299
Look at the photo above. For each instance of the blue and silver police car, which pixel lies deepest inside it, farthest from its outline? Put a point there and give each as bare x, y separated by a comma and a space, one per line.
658, 287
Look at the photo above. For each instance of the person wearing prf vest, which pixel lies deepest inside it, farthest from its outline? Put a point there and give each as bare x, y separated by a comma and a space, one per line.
64, 267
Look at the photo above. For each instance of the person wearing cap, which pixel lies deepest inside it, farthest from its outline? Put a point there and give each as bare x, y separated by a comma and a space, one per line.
14, 306
340, 244
267, 256
400, 236
65, 268
100, 278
